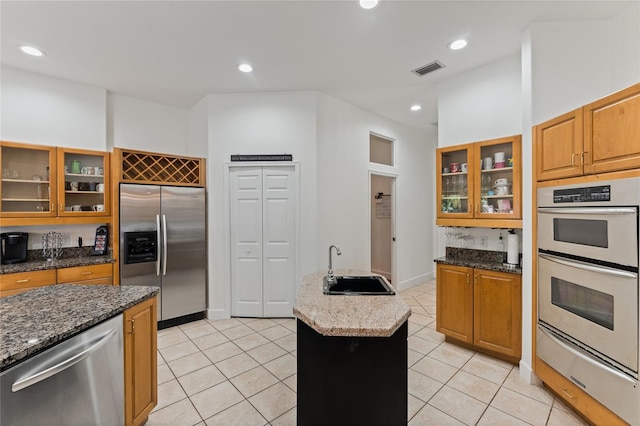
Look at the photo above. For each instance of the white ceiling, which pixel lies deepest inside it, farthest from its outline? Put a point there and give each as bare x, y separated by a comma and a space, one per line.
175, 52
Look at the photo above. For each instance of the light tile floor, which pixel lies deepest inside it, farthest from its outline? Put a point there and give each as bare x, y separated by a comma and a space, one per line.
242, 371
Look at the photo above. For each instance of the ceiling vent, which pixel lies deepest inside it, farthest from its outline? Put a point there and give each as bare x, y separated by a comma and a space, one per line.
426, 69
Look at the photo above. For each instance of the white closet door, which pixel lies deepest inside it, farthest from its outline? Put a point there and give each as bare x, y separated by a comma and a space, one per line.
246, 232
278, 231
263, 241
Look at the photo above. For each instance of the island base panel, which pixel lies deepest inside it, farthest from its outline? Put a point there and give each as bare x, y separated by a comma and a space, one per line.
351, 380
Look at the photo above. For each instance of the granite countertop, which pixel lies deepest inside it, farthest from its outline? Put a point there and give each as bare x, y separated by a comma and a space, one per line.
38, 319
70, 258
353, 316
482, 259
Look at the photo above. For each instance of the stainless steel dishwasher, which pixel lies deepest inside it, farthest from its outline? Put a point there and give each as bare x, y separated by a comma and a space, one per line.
77, 382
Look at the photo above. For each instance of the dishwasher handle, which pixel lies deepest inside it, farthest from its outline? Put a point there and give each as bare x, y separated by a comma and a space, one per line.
42, 374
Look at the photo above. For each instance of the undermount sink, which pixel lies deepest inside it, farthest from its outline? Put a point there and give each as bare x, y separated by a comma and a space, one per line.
354, 285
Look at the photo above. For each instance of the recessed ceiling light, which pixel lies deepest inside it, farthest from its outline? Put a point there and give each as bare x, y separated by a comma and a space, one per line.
457, 44
245, 67
368, 4
416, 107
30, 50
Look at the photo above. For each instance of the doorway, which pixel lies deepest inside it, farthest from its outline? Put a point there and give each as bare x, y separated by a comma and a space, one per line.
382, 225
263, 265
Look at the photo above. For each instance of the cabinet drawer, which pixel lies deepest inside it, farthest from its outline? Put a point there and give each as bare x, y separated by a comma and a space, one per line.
105, 280
25, 280
84, 273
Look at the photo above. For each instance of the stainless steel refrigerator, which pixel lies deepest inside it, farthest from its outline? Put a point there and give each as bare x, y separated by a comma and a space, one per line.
163, 243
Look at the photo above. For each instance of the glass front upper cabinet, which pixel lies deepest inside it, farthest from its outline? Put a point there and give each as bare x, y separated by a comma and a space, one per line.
83, 184
498, 179
480, 180
455, 181
27, 185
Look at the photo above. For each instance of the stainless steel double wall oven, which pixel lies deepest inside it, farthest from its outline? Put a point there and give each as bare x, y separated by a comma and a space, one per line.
588, 289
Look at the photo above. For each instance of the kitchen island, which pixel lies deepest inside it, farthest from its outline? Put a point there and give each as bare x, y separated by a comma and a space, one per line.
36, 322
352, 356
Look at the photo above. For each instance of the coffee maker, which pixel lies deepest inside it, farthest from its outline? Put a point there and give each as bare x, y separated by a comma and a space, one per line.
13, 247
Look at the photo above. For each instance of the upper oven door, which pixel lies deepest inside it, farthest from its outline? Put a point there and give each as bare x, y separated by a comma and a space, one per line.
603, 233
598, 306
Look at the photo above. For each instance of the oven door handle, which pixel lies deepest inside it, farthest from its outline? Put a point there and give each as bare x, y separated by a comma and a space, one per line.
587, 267
599, 211
591, 360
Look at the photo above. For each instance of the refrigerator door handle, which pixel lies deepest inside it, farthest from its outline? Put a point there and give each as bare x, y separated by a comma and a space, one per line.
164, 245
158, 251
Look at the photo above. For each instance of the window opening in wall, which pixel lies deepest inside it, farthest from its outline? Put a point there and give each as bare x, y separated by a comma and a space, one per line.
381, 150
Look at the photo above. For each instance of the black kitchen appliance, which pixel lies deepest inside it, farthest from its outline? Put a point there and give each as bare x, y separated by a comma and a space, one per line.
140, 247
14, 247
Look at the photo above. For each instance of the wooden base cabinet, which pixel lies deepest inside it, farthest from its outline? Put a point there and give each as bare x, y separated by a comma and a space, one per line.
20, 282
575, 397
480, 309
140, 361
92, 274
454, 302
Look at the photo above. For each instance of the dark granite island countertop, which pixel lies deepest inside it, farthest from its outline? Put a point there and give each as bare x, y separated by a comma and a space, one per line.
33, 321
482, 259
354, 316
38, 264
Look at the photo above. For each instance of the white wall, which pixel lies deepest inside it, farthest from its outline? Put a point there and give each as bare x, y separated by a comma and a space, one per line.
198, 125
257, 123
482, 104
575, 63
50, 111
147, 126
329, 139
343, 157
625, 48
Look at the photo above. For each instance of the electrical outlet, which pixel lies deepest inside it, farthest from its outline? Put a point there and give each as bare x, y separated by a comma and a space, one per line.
483, 241
66, 240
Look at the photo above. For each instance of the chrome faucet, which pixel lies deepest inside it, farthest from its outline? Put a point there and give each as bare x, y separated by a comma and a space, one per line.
330, 278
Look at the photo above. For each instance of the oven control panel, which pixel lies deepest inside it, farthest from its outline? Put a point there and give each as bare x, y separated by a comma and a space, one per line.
582, 195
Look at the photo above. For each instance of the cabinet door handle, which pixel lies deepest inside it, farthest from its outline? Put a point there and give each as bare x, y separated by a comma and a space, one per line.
573, 156
53, 207
133, 326
26, 280
86, 273
566, 392
467, 278
585, 155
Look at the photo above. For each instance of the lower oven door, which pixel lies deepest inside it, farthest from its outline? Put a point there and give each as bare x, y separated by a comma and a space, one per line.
597, 306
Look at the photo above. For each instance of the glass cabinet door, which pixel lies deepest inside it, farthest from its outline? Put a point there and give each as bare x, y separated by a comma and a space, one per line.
83, 183
455, 181
26, 188
498, 178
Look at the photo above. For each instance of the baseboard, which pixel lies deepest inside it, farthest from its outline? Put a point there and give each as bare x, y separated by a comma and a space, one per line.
412, 282
526, 372
218, 314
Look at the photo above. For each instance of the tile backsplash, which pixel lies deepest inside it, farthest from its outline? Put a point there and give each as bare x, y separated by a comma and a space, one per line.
70, 234
473, 238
